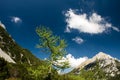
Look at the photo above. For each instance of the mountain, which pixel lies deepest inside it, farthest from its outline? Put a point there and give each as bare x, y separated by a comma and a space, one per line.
15, 61
12, 52
101, 67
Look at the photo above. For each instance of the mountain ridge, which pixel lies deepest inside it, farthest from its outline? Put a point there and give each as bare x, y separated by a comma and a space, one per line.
99, 56
99, 65
15, 61
12, 49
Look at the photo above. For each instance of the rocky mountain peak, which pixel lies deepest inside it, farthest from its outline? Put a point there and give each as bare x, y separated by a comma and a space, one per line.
102, 55
110, 66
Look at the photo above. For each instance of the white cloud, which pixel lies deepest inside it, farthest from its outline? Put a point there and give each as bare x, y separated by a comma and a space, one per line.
78, 40
93, 24
74, 62
2, 25
16, 19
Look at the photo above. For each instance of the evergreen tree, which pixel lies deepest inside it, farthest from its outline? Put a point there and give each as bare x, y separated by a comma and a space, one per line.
54, 46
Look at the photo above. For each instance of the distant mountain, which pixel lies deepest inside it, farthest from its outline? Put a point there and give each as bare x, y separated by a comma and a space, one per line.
12, 52
101, 67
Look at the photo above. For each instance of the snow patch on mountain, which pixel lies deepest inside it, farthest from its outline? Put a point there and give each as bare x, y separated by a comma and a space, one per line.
101, 56
6, 56
2, 25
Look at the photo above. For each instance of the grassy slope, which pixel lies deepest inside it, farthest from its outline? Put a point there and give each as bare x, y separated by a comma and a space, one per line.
17, 53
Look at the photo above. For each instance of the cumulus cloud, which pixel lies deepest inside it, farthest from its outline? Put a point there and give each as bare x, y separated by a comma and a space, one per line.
74, 62
16, 19
78, 40
92, 24
2, 25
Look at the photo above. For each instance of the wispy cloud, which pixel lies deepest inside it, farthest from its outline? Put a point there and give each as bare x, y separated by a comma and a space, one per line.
92, 24
78, 40
116, 29
16, 19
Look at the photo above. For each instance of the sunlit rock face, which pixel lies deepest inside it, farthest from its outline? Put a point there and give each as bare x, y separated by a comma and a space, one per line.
6, 56
109, 65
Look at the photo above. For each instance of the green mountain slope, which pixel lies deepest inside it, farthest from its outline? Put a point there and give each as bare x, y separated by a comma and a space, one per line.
17, 53
15, 60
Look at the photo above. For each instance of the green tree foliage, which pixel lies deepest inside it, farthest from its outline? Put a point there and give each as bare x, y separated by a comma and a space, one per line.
3, 69
52, 45
93, 73
18, 71
38, 72
10, 71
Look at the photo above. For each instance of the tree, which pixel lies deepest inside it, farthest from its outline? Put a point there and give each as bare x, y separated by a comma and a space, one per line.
54, 46
38, 72
4, 73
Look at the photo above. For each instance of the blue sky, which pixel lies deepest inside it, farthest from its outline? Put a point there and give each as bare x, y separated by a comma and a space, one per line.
88, 26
